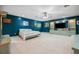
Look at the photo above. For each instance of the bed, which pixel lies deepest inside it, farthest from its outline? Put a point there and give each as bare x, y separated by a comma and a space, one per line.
28, 33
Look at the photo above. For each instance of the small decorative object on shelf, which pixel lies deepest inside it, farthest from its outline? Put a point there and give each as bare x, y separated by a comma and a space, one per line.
6, 20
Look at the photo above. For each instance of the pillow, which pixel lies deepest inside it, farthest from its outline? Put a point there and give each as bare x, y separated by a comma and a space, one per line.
28, 30
25, 30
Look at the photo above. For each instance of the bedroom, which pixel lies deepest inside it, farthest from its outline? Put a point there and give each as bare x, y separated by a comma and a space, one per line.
38, 24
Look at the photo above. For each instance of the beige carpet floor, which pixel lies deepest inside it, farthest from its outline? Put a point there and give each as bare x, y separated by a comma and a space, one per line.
46, 43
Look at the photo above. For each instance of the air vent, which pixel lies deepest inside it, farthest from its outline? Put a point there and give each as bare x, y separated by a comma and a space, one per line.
66, 6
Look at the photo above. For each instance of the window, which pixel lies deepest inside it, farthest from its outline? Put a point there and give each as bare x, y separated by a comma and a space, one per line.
46, 24
37, 24
25, 23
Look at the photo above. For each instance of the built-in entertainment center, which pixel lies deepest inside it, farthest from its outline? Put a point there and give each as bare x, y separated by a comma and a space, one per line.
64, 27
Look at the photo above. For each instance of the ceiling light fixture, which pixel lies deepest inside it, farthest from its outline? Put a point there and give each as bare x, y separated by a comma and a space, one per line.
45, 16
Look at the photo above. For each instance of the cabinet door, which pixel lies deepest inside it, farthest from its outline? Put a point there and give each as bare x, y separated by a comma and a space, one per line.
72, 24
52, 25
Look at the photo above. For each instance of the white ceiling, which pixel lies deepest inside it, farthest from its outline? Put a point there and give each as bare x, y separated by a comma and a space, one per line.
36, 11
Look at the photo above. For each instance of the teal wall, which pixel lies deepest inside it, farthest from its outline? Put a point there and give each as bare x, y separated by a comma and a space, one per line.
17, 23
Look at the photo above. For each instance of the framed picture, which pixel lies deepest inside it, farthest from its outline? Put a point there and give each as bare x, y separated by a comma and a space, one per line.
7, 21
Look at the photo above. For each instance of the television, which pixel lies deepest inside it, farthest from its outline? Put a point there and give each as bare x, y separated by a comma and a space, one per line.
60, 25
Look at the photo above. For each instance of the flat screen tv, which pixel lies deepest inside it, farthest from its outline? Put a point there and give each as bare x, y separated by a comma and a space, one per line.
60, 25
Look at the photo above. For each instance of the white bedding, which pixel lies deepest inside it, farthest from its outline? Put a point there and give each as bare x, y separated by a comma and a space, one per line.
28, 33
